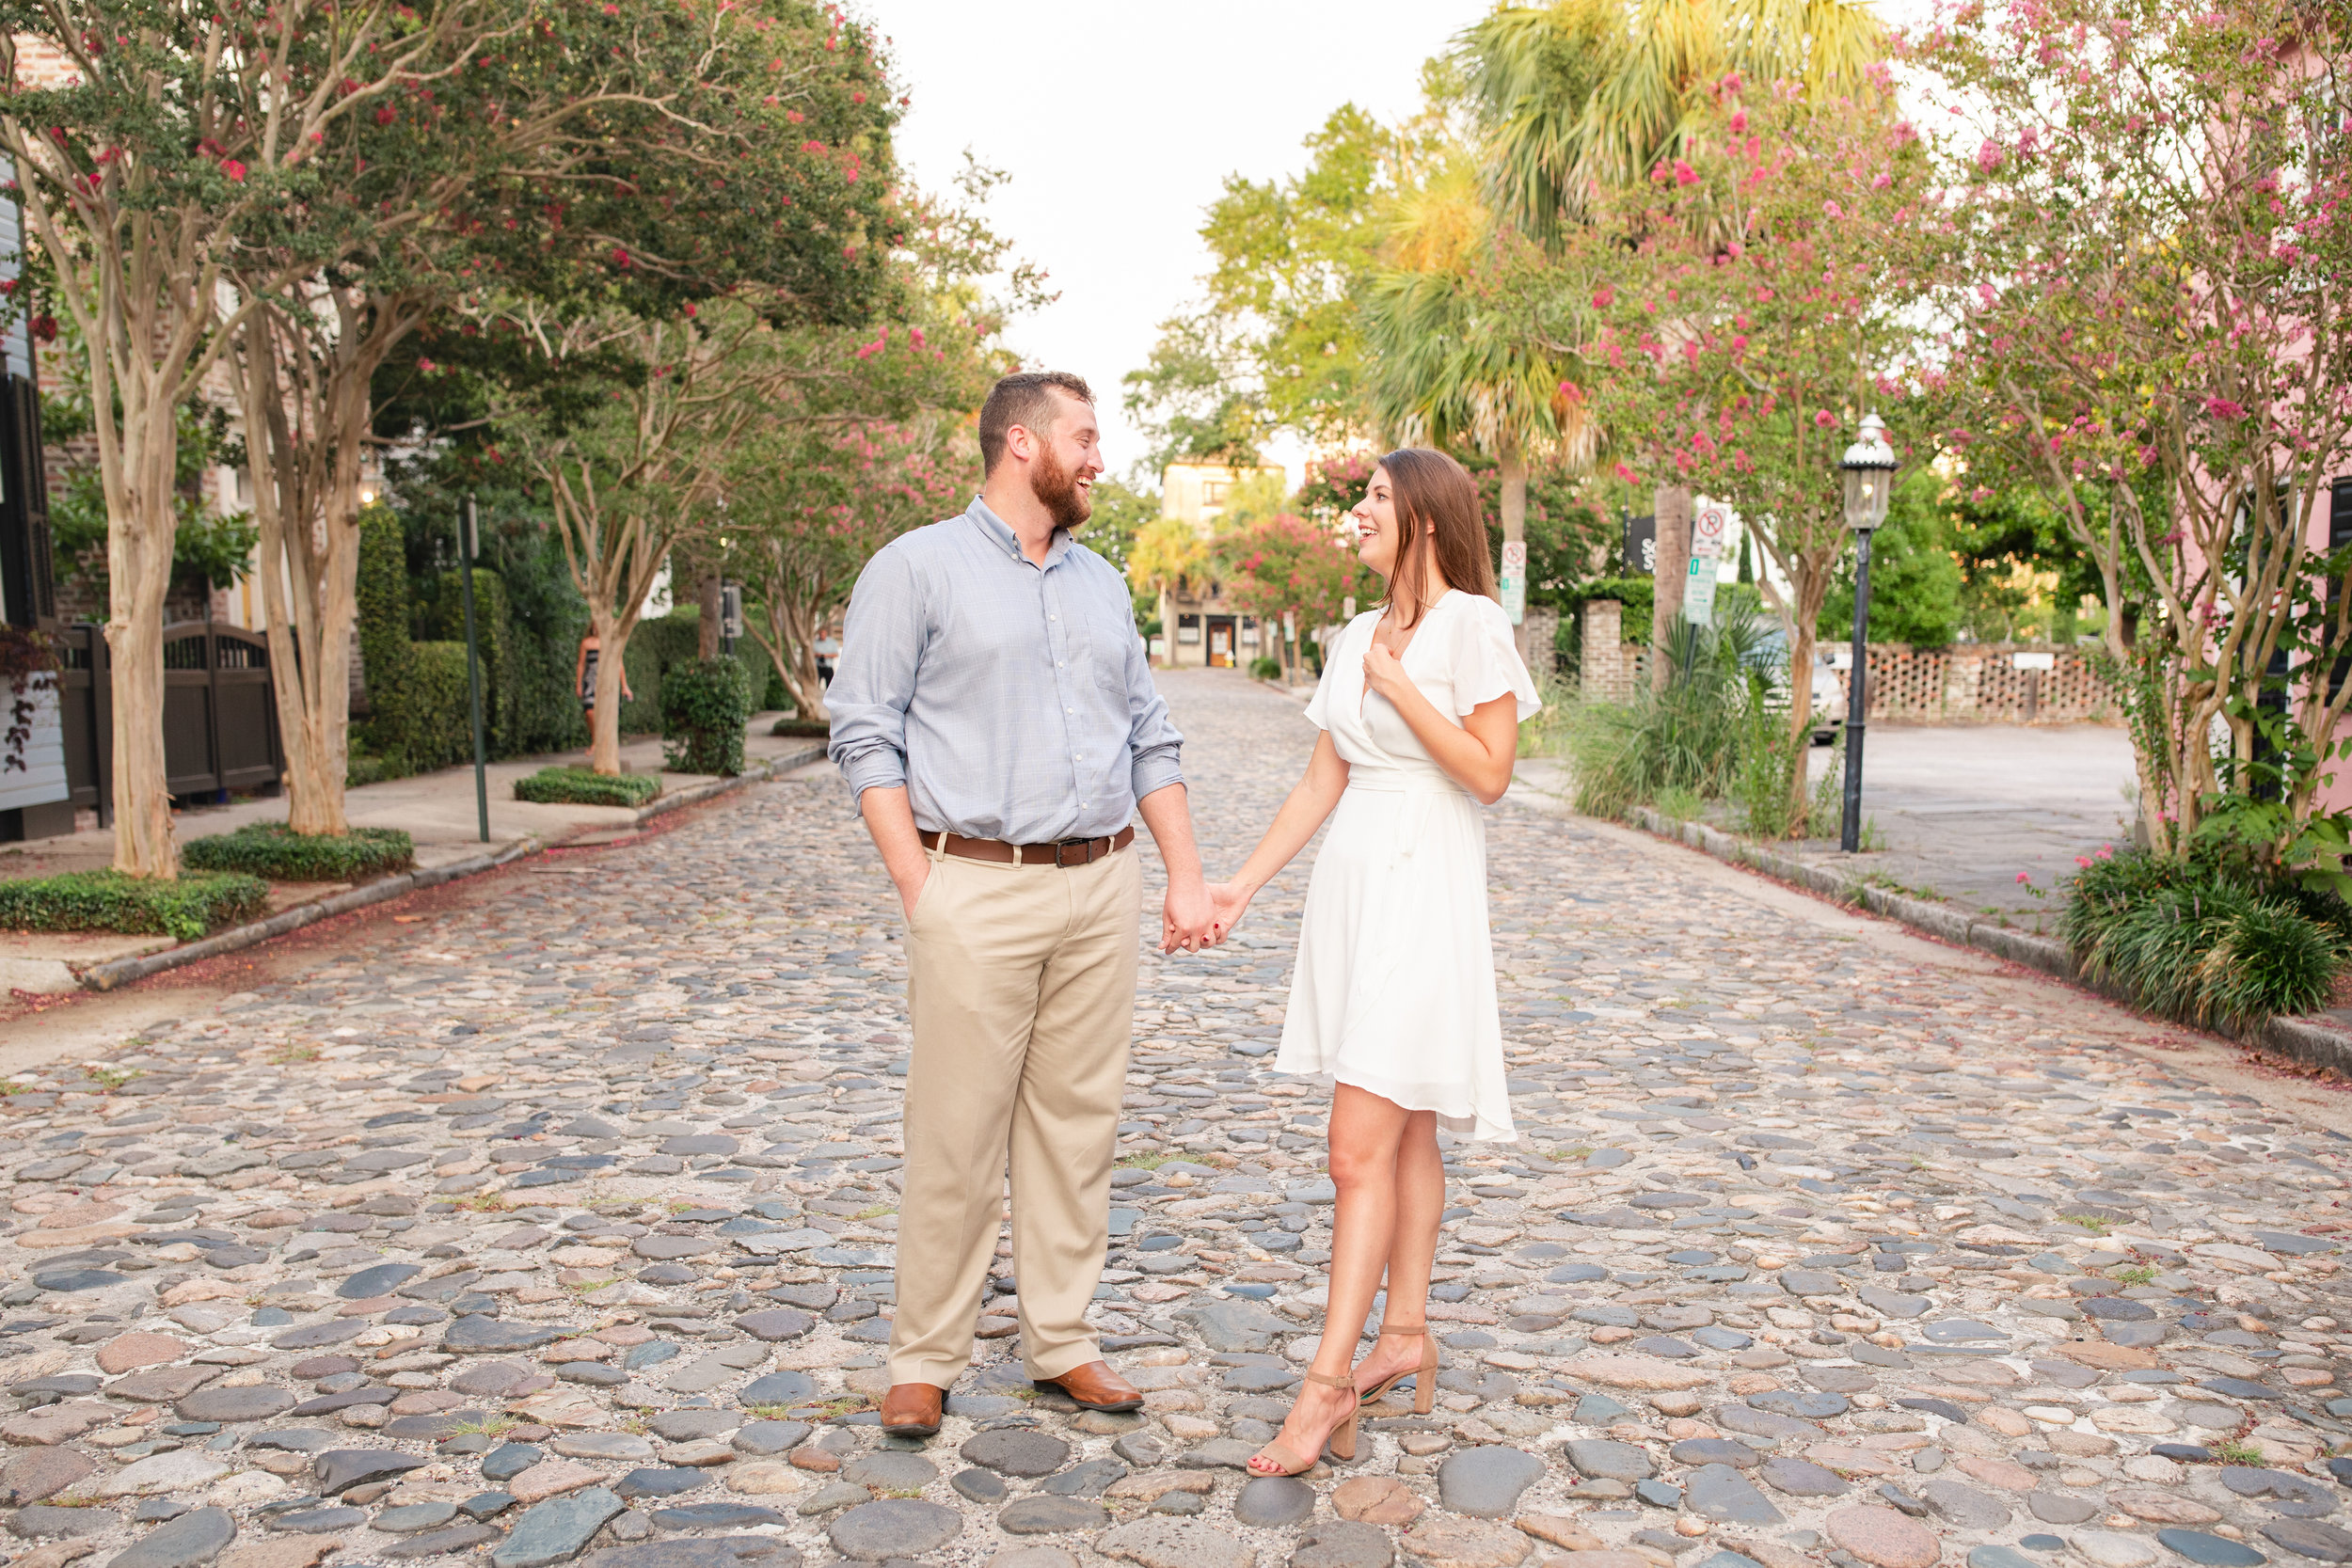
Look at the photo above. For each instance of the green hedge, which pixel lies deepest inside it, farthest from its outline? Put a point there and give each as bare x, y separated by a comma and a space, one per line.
274, 850
581, 786
659, 645
139, 906
704, 707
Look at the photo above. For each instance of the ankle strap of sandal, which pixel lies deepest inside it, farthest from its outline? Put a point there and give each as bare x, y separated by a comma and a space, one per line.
1329, 1381
1392, 1328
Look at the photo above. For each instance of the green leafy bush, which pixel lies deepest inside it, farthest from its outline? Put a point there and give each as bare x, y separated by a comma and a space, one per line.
2205, 941
581, 786
704, 707
1267, 669
274, 850
138, 906
1691, 737
658, 646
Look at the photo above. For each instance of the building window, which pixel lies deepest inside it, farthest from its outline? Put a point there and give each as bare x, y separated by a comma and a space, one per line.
1212, 491
1187, 628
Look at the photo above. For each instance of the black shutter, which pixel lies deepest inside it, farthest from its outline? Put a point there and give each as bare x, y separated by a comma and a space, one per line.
24, 506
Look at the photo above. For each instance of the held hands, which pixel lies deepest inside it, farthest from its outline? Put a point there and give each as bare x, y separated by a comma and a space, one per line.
1229, 901
1186, 918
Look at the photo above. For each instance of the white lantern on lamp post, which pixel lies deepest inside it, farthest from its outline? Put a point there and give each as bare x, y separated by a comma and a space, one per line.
1869, 469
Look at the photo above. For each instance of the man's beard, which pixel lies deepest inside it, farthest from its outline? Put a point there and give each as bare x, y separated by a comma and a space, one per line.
1057, 488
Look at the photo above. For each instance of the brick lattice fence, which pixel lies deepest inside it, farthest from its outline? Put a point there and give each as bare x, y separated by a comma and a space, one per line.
1981, 683
1965, 684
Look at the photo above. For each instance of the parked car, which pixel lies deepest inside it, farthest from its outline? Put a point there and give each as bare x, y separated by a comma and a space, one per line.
1770, 655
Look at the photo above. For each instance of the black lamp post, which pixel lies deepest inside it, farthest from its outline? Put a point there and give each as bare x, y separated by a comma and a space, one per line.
1869, 467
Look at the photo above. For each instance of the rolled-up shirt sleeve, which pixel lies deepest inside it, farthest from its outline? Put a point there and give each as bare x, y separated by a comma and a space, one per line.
873, 679
1154, 747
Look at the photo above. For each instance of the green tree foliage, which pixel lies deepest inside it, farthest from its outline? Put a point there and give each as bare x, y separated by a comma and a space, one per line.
1915, 581
1277, 343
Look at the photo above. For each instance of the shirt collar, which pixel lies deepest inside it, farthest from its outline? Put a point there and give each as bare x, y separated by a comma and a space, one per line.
1001, 532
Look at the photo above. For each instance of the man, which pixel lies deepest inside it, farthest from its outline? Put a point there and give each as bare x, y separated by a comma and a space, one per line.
993, 710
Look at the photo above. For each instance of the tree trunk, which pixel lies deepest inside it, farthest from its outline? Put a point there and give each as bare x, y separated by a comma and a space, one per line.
790, 642
135, 643
306, 502
604, 735
1514, 530
708, 613
1672, 503
141, 521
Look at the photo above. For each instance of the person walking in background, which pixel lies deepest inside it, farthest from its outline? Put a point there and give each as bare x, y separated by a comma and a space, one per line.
993, 710
1394, 989
584, 675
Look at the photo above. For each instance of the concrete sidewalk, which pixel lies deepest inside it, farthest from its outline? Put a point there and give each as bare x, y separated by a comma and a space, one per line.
438, 809
1958, 811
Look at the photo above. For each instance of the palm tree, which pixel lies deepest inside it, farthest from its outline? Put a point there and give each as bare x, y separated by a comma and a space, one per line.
1586, 96
1460, 349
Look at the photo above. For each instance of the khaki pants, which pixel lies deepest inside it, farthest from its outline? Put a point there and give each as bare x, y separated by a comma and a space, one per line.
1021, 980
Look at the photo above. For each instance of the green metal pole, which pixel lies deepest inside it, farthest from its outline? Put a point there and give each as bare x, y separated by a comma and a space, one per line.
467, 547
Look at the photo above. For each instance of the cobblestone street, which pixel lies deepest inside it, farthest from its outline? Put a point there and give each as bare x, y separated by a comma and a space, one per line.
555, 1215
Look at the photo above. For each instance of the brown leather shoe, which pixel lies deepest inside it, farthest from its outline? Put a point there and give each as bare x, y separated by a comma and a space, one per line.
1096, 1386
911, 1409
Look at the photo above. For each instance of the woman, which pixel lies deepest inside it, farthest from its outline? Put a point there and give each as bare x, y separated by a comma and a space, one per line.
584, 676
1394, 991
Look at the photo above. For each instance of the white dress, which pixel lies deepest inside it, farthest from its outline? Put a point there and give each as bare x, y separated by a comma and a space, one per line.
1394, 989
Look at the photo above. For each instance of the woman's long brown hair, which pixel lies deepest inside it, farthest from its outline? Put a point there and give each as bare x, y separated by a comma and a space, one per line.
1429, 487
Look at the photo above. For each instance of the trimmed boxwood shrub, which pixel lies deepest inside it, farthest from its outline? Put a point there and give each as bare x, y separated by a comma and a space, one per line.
138, 906
659, 645
274, 850
582, 787
704, 707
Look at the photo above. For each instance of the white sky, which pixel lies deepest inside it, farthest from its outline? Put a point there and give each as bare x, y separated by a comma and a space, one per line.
1119, 123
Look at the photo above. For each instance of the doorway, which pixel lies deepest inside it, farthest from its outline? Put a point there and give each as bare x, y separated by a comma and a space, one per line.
1221, 641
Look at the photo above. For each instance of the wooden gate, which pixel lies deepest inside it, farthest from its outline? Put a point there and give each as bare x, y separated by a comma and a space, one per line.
221, 714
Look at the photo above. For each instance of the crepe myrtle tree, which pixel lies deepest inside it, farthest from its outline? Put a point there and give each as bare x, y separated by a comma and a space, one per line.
144, 134
1756, 320
808, 504
647, 155
1287, 564
2140, 264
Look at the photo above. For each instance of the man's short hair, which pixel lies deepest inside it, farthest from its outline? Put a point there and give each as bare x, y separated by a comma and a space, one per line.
1025, 398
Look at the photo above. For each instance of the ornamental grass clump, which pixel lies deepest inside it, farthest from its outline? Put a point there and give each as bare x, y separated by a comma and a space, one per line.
582, 787
275, 851
2209, 943
186, 908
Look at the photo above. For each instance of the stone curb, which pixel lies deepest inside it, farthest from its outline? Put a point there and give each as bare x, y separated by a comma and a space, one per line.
2302, 1039
122, 971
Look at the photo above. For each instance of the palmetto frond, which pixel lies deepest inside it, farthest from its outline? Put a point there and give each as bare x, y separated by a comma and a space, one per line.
1449, 366
1589, 94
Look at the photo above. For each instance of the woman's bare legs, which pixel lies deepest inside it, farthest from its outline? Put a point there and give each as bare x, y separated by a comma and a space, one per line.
1413, 1250
1368, 1136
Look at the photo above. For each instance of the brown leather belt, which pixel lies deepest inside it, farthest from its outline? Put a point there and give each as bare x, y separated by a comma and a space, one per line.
1070, 851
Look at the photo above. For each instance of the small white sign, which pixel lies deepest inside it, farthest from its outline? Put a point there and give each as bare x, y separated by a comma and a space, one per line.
2033, 661
1513, 583
1841, 658
1699, 591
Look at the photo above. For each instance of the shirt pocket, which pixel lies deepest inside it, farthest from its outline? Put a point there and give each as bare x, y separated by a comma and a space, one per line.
1104, 627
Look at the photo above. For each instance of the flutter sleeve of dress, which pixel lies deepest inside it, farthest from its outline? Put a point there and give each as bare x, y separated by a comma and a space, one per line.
1486, 662
1319, 705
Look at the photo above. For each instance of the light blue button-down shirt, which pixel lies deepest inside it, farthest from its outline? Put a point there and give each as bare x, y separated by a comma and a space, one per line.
1014, 701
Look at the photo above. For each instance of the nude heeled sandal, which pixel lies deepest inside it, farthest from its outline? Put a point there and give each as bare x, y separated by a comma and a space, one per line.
1342, 1433
1424, 1376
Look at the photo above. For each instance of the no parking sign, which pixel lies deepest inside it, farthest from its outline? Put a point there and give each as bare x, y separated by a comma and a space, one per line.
1710, 527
